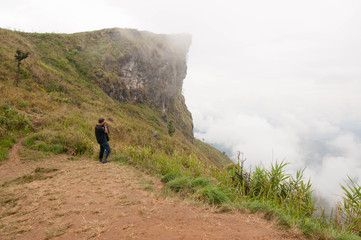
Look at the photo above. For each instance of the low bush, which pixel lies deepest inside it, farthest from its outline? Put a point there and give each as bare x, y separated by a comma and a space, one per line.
3, 153
169, 176
42, 146
56, 148
179, 184
13, 121
43, 142
214, 195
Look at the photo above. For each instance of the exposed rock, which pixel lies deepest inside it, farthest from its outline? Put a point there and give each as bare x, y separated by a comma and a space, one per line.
155, 134
140, 67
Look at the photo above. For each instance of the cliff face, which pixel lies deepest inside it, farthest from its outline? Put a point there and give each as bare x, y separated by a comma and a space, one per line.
140, 67
152, 70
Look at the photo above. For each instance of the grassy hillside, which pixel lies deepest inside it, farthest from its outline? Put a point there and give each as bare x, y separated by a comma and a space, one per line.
64, 90
60, 98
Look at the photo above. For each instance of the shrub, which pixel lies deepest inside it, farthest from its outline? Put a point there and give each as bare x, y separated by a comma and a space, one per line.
201, 182
179, 184
169, 176
350, 207
119, 157
171, 128
42, 146
3, 153
29, 141
44, 142
8, 142
80, 148
23, 104
12, 120
56, 148
214, 195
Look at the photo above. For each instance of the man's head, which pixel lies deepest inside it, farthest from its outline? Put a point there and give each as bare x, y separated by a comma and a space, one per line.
101, 121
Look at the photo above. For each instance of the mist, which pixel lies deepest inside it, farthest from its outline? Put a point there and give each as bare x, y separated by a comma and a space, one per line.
276, 80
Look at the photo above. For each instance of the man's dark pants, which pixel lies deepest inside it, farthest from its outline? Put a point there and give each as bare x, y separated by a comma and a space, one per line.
104, 146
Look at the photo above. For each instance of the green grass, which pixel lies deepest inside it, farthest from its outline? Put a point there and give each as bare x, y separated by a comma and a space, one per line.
3, 153
56, 142
349, 209
12, 124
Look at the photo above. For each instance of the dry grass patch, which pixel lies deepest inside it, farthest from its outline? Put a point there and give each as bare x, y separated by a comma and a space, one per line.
38, 174
93, 229
57, 231
126, 202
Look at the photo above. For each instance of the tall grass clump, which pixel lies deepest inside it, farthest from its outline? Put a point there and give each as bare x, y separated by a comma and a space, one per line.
349, 209
12, 124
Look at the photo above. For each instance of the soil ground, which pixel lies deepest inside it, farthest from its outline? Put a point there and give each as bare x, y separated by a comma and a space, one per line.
61, 198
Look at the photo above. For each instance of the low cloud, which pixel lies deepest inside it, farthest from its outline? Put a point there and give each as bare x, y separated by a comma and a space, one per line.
314, 126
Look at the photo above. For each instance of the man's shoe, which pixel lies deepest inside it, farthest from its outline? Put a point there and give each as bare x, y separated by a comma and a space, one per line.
105, 159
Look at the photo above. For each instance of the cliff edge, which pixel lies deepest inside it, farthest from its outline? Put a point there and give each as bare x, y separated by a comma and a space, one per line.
140, 67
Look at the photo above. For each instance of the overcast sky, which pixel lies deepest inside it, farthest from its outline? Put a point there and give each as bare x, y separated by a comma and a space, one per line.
274, 79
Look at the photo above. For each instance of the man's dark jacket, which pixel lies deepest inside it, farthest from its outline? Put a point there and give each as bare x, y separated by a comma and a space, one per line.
100, 134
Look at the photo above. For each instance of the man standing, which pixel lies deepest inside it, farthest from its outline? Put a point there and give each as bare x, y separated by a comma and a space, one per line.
101, 133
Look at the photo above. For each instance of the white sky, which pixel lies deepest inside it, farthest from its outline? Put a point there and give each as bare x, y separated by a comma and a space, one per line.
264, 76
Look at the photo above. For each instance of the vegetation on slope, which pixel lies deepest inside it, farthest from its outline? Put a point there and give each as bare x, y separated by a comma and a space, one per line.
56, 106
60, 95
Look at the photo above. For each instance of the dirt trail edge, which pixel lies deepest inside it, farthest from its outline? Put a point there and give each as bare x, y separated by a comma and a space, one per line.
57, 198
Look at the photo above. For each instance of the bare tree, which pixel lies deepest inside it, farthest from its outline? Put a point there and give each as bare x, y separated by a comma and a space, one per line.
19, 56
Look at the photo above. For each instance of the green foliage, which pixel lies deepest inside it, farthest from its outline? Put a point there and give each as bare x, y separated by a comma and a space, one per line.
23, 104
12, 120
56, 148
8, 142
180, 183
350, 207
202, 187
3, 153
169, 176
11, 123
276, 186
20, 55
43, 142
70, 55
29, 141
171, 128
42, 146
215, 195
201, 181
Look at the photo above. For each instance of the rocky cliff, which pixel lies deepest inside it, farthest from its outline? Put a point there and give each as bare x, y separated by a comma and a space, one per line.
140, 67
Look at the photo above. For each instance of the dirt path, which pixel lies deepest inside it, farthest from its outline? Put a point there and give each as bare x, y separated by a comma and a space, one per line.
62, 199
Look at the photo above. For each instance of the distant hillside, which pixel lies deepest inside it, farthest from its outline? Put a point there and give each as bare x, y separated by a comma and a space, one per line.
134, 79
